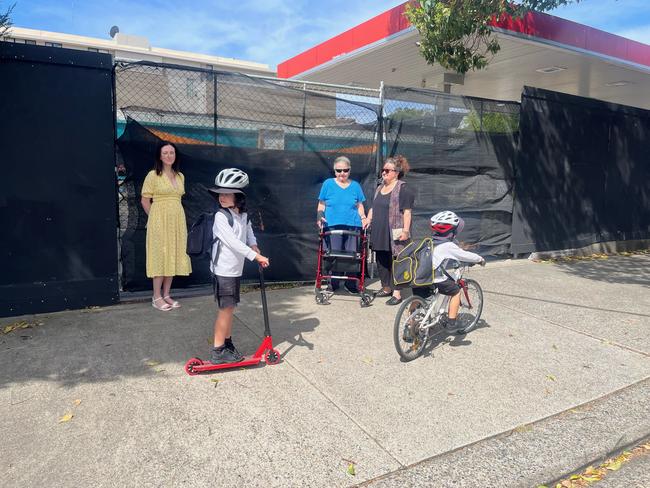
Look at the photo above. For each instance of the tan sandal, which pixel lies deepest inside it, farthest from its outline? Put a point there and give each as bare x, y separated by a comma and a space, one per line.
173, 303
165, 307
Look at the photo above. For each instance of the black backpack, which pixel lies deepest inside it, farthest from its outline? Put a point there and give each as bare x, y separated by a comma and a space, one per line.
199, 238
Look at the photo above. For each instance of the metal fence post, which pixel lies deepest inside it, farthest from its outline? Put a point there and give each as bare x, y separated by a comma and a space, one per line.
380, 131
304, 113
214, 107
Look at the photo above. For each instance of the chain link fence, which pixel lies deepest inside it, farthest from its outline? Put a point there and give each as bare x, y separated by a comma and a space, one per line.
263, 125
461, 149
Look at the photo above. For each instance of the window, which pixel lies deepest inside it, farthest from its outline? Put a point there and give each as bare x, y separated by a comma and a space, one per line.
54, 44
30, 41
93, 49
190, 90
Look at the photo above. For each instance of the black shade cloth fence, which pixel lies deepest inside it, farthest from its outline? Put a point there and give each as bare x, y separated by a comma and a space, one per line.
583, 173
58, 211
462, 152
552, 156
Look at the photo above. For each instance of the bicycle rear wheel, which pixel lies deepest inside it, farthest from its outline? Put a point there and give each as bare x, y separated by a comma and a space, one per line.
408, 335
471, 306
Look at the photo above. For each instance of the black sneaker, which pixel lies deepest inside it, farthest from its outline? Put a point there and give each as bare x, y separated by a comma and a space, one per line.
394, 301
450, 324
231, 347
222, 355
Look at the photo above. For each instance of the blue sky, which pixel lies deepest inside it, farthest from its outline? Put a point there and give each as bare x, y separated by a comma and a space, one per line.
267, 31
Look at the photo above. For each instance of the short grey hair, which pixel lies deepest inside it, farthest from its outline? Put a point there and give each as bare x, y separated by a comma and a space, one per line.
342, 159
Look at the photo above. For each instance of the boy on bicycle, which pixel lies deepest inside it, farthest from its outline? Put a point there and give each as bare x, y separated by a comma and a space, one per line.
445, 226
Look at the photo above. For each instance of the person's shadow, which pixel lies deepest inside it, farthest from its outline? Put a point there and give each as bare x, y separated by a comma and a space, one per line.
453, 339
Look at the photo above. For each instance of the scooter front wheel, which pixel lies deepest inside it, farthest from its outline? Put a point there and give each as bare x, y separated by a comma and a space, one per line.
191, 364
272, 357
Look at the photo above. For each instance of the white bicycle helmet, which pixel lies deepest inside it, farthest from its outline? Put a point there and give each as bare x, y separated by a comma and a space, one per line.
444, 222
230, 180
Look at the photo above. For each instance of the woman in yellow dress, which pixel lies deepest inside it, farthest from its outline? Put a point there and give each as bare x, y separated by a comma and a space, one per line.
166, 227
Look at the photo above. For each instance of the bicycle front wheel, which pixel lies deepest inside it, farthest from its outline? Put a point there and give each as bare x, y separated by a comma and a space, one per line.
471, 306
408, 335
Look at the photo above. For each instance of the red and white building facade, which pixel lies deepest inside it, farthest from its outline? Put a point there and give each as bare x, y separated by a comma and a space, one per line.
539, 50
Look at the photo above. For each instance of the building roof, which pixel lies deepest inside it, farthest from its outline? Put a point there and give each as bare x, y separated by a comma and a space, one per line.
129, 47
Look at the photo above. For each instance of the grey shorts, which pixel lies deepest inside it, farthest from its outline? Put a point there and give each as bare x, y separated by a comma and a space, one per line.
447, 287
226, 290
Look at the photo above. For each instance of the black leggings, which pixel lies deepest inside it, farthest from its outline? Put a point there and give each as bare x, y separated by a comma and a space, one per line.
385, 268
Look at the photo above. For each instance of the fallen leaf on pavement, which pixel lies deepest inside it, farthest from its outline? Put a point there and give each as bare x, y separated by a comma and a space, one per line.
77, 403
66, 418
551, 377
152, 363
351, 470
367, 360
21, 324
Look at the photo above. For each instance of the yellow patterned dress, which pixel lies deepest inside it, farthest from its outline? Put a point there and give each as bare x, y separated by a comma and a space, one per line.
166, 227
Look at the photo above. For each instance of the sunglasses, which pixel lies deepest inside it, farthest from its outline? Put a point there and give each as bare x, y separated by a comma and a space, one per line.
343, 170
388, 170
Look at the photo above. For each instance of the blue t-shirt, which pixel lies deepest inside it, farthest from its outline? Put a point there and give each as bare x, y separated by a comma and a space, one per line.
341, 203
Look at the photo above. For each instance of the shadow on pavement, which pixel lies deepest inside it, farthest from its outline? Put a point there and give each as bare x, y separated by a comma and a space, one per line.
451, 338
133, 340
613, 269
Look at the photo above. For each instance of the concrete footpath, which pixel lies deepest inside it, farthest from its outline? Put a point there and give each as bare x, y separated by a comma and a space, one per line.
557, 376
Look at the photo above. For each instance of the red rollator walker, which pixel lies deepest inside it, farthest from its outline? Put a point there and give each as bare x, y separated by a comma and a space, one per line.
265, 353
343, 265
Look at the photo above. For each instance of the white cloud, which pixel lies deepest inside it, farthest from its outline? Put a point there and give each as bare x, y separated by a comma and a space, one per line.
267, 31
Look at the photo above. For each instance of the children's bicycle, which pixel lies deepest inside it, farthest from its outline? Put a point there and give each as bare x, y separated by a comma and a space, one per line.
419, 319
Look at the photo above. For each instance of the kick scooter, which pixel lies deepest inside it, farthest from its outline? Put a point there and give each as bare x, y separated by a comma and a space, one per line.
265, 353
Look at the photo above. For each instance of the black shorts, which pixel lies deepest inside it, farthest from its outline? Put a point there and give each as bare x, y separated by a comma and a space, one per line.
447, 287
226, 290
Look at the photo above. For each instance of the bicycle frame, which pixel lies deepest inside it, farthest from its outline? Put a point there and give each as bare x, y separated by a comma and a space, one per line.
444, 305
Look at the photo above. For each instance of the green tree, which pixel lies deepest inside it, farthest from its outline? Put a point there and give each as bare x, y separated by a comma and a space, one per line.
458, 34
410, 113
494, 122
5, 21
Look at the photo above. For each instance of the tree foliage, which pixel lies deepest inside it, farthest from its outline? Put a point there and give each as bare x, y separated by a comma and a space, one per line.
403, 113
457, 34
5, 21
497, 123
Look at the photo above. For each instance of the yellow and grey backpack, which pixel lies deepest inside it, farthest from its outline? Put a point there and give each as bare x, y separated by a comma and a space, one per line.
413, 266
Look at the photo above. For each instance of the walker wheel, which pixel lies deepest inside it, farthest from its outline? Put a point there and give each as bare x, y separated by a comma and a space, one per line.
189, 366
272, 357
321, 299
365, 300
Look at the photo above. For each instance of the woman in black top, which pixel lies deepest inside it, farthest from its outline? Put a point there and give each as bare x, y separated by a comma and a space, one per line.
390, 217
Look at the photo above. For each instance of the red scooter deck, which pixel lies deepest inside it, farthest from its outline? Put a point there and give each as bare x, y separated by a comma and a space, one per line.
265, 353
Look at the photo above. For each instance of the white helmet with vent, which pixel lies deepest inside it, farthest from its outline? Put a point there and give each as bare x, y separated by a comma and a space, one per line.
230, 180
446, 222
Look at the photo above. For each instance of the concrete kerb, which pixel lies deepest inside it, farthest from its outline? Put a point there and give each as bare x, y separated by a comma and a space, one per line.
542, 452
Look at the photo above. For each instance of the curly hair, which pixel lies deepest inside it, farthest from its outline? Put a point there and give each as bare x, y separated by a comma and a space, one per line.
401, 164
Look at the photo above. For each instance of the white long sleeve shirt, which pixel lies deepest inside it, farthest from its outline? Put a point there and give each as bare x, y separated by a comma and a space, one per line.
234, 244
450, 250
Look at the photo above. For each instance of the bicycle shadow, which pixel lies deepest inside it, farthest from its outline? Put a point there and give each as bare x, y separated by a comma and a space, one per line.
451, 338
